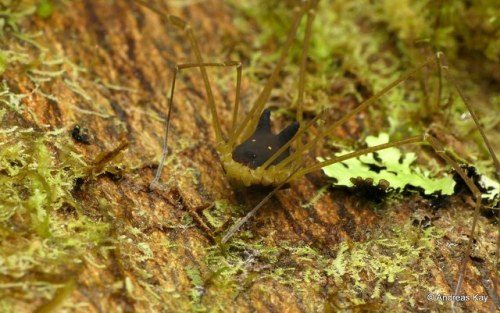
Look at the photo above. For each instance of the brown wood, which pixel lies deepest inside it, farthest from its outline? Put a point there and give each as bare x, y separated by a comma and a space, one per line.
121, 44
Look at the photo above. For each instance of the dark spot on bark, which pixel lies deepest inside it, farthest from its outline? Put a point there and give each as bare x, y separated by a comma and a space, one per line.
81, 134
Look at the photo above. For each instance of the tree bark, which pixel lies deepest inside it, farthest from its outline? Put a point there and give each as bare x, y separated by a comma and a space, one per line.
298, 254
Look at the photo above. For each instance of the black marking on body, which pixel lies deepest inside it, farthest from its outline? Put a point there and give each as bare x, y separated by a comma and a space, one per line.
257, 149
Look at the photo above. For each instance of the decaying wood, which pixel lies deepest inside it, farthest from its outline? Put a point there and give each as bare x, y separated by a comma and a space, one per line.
123, 45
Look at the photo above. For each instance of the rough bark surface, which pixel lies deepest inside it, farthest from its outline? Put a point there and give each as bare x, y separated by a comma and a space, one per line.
156, 258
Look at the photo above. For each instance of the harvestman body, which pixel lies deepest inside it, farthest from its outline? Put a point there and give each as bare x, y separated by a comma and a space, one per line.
253, 155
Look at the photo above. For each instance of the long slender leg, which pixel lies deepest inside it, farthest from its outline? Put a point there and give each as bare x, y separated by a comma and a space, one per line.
185, 27
164, 154
298, 153
364, 105
303, 62
239, 68
435, 144
250, 121
320, 165
177, 69
244, 219
439, 149
345, 118
300, 100
299, 173
444, 66
301, 85
426, 138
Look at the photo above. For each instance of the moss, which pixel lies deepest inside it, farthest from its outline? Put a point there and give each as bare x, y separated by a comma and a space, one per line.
197, 290
389, 265
44, 8
373, 267
219, 213
48, 238
13, 13
367, 45
37, 174
45, 236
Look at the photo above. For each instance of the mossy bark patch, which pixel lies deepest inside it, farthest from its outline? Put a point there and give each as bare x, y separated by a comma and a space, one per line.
79, 228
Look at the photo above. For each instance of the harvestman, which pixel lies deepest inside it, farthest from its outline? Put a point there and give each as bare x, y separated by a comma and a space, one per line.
253, 155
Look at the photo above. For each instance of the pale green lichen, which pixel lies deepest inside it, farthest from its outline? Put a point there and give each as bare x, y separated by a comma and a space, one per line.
391, 165
66, 241
370, 44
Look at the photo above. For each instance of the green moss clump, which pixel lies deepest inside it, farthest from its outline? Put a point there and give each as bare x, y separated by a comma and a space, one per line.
44, 8
366, 45
387, 266
45, 238
41, 228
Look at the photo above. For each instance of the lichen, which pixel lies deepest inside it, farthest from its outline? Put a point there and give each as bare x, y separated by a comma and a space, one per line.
366, 45
387, 165
49, 237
